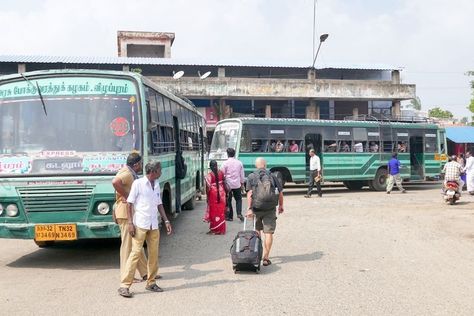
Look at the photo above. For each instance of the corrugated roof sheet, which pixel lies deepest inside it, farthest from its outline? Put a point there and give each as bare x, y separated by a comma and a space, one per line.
173, 61
460, 135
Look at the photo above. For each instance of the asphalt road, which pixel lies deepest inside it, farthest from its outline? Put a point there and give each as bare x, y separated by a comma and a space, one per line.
348, 253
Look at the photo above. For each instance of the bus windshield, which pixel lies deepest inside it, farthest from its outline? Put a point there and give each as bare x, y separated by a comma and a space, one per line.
225, 136
84, 133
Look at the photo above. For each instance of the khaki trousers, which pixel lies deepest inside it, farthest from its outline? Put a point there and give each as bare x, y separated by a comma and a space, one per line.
152, 237
126, 248
394, 178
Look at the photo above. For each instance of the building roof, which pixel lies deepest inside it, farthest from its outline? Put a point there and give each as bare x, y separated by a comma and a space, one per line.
174, 61
460, 135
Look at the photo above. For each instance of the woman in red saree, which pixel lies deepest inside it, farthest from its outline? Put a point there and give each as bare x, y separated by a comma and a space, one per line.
216, 200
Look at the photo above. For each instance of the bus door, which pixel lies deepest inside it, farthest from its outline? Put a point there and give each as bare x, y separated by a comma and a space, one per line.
313, 141
387, 145
177, 164
201, 153
416, 157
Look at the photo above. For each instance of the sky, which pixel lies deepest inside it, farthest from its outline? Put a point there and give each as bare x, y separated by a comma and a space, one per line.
430, 40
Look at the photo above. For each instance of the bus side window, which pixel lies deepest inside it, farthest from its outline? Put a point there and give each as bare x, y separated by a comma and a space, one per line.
257, 145
345, 146
330, 146
374, 147
360, 146
388, 146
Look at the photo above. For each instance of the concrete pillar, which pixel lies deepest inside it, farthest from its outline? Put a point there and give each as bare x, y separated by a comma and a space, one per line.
221, 72
311, 74
395, 76
312, 110
125, 68
355, 112
21, 68
221, 109
396, 110
268, 111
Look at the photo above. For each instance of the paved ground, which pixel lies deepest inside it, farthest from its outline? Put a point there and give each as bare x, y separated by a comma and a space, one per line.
348, 253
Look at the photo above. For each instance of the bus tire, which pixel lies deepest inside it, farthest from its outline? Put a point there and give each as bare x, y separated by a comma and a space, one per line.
44, 244
354, 185
280, 177
380, 181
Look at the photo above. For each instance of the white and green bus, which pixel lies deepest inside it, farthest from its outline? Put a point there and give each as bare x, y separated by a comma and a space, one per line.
65, 133
353, 152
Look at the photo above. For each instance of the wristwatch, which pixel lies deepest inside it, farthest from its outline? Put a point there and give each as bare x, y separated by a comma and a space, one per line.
167, 222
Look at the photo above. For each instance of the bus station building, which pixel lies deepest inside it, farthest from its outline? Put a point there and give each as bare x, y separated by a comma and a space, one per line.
225, 89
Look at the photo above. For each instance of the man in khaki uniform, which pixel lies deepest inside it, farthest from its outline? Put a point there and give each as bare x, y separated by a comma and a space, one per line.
123, 184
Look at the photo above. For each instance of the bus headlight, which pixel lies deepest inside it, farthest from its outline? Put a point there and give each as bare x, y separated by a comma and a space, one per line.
12, 210
103, 208
1, 209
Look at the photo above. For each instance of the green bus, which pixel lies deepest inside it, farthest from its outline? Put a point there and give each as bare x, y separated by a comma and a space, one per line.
353, 152
65, 133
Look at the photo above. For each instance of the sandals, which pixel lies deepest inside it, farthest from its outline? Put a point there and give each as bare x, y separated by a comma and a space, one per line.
154, 288
123, 291
266, 262
145, 277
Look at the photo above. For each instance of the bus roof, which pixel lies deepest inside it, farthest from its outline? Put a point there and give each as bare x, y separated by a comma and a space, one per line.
132, 75
340, 123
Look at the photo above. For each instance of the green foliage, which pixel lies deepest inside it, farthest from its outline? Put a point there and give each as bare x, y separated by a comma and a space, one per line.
440, 113
415, 104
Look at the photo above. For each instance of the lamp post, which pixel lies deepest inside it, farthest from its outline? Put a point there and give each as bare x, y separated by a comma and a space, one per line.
322, 38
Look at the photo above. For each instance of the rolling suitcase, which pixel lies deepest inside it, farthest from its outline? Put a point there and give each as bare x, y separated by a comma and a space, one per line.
246, 250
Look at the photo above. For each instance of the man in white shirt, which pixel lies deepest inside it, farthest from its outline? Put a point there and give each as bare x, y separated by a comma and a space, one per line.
144, 202
314, 174
469, 169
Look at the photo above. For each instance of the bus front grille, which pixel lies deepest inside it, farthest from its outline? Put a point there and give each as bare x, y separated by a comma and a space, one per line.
54, 199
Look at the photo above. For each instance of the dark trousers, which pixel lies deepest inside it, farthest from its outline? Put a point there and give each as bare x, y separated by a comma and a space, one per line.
314, 173
237, 194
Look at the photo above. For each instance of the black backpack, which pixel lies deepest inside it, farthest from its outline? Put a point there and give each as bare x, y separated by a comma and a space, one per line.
265, 194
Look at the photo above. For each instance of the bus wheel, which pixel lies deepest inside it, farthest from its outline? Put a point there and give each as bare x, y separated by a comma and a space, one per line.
44, 244
380, 181
354, 185
189, 204
280, 177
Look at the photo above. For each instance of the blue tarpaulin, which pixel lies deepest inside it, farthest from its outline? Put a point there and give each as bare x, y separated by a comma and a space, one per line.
460, 135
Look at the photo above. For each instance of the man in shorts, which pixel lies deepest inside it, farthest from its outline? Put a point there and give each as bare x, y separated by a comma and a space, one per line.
266, 218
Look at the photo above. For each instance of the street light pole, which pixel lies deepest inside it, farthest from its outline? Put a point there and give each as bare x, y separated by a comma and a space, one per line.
322, 38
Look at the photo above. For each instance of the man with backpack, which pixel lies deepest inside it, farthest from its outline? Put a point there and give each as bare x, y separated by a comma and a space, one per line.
265, 193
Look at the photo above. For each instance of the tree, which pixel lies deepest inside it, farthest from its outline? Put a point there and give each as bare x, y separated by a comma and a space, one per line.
415, 104
438, 112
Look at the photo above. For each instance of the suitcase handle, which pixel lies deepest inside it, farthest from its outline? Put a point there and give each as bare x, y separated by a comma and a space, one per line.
254, 222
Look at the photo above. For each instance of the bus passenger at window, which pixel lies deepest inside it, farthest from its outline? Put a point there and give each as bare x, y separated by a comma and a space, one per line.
294, 147
345, 147
331, 147
374, 147
358, 147
402, 147
272, 146
279, 147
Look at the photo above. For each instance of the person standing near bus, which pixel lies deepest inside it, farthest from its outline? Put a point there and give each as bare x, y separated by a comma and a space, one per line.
314, 174
469, 169
234, 176
123, 184
143, 205
394, 174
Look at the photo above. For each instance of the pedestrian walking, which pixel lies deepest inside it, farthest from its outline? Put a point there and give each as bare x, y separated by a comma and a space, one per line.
234, 176
216, 200
469, 169
265, 192
123, 184
394, 174
314, 174
143, 205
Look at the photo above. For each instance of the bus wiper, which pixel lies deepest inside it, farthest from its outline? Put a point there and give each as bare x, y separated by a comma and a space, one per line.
39, 93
